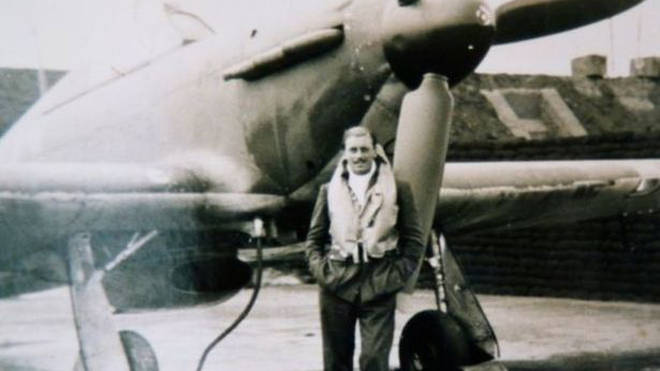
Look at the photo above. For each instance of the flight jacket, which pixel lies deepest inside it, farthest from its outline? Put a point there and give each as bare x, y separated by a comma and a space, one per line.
378, 276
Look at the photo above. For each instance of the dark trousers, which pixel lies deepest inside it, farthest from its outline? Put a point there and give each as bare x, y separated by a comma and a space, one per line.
338, 319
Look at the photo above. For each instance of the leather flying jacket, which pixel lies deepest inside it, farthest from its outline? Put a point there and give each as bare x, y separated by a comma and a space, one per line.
379, 276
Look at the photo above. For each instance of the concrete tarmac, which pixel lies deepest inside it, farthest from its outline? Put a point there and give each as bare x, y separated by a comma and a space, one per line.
282, 332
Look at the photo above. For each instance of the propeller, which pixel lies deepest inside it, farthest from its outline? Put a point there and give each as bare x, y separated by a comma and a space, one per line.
431, 45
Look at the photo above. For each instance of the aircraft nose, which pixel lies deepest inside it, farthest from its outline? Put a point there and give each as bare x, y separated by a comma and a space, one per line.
448, 37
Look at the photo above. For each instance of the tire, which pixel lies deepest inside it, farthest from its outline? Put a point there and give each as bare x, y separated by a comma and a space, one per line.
433, 341
140, 355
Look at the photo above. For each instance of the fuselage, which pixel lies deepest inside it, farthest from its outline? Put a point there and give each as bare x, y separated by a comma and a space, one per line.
279, 129
269, 134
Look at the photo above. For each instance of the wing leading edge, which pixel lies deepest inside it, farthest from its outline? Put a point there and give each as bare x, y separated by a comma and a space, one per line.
478, 196
75, 197
493, 195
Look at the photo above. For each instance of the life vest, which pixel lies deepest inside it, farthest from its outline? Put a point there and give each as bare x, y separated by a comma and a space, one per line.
374, 224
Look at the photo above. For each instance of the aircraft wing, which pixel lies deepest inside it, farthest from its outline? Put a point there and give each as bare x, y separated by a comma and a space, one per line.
79, 196
42, 205
495, 195
518, 20
477, 196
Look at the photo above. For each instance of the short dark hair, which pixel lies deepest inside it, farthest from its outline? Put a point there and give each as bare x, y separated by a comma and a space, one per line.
358, 131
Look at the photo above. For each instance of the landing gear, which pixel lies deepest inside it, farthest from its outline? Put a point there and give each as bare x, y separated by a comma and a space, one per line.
141, 357
192, 277
102, 347
433, 340
454, 335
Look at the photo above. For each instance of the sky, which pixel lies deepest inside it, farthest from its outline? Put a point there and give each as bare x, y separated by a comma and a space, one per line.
50, 34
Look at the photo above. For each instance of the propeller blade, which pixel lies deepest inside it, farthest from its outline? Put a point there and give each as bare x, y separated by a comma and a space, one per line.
382, 117
525, 19
420, 150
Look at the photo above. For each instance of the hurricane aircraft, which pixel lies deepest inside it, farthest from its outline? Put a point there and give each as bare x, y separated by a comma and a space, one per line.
145, 179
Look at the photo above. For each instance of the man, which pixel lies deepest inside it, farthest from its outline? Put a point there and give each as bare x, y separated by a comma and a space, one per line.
364, 243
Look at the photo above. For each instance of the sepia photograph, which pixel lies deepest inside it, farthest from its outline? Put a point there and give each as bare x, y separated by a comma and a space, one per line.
329, 185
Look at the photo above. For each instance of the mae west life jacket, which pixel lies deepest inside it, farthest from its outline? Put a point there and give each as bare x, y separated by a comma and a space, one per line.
374, 224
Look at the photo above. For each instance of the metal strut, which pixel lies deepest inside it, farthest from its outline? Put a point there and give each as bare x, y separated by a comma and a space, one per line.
455, 298
100, 345
436, 263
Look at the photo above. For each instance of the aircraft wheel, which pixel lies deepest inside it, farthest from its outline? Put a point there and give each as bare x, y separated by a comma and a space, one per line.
141, 356
431, 341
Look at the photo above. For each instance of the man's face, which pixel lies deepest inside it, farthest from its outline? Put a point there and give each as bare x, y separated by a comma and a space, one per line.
360, 152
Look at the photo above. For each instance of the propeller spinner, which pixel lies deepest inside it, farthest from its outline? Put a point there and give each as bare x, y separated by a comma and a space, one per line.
447, 37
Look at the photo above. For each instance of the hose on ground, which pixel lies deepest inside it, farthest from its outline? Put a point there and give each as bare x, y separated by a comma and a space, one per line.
243, 314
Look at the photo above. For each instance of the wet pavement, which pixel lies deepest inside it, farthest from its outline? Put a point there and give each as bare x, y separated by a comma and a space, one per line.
282, 332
